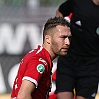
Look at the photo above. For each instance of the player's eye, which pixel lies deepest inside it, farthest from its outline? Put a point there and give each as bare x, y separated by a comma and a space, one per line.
69, 37
63, 37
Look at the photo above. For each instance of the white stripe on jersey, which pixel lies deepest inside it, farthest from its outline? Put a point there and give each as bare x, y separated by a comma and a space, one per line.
39, 50
31, 79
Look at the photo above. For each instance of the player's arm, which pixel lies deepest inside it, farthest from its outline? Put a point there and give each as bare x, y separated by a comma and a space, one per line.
26, 89
58, 13
65, 8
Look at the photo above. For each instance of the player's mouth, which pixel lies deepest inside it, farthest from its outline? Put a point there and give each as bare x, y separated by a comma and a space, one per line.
64, 49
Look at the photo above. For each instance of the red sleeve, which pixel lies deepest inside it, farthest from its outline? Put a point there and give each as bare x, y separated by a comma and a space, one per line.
34, 70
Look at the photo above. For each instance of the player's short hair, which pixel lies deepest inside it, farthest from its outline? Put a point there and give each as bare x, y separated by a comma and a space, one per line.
52, 23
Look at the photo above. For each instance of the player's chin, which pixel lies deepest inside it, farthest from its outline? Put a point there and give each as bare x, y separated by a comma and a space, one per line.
63, 53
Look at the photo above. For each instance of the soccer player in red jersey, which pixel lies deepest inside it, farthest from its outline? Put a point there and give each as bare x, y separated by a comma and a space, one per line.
33, 79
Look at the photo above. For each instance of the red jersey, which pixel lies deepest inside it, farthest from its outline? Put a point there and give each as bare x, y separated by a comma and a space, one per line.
36, 67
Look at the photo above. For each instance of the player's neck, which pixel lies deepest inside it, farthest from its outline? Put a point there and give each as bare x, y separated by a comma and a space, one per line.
48, 48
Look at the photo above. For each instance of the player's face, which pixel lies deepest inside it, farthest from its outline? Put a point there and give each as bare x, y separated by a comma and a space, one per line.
61, 40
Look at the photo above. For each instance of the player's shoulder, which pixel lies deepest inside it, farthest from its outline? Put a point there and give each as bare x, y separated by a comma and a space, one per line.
37, 57
34, 52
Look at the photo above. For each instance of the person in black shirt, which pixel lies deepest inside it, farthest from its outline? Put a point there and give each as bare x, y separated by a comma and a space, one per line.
79, 69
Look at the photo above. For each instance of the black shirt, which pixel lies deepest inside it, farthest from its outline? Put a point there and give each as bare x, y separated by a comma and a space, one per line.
84, 26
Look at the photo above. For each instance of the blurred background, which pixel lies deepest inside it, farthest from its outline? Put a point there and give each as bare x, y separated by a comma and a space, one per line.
21, 24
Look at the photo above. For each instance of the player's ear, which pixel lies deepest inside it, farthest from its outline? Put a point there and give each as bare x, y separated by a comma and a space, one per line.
48, 39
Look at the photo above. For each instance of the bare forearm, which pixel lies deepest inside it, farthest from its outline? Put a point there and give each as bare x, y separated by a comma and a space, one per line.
23, 96
26, 90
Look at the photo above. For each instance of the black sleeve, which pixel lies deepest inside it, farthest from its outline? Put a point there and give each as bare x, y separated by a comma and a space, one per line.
66, 7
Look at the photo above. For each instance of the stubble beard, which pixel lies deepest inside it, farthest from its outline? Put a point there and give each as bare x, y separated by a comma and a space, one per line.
56, 50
